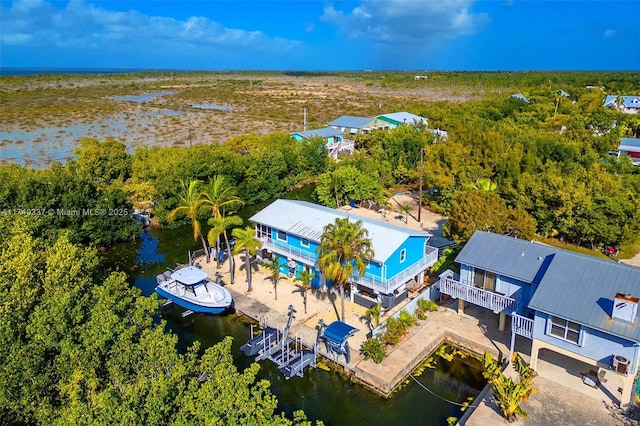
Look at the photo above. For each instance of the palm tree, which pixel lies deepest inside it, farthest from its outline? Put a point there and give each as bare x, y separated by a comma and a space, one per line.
305, 278
373, 315
220, 197
406, 208
219, 226
191, 203
343, 246
274, 269
246, 240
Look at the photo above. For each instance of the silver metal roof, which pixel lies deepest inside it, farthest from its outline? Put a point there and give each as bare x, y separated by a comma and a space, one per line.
581, 289
325, 132
573, 286
508, 256
351, 122
308, 220
405, 117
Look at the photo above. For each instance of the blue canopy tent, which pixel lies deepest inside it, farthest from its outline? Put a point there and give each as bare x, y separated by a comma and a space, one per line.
335, 338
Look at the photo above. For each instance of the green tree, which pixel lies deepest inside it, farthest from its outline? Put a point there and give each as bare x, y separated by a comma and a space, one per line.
304, 284
373, 314
508, 394
405, 208
479, 210
274, 273
344, 249
220, 197
191, 203
219, 226
246, 241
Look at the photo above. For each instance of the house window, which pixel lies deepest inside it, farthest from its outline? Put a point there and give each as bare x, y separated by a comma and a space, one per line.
403, 255
304, 243
484, 279
564, 329
281, 236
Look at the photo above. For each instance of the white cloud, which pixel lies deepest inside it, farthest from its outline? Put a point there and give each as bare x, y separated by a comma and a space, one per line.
407, 21
609, 33
86, 26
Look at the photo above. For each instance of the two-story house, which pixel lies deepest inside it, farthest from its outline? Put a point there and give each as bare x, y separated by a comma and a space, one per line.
578, 306
629, 104
332, 137
292, 229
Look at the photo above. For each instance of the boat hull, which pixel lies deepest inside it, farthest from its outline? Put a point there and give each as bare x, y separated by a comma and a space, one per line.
195, 307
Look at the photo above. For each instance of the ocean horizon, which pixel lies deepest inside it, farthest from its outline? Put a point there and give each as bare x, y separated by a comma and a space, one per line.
15, 71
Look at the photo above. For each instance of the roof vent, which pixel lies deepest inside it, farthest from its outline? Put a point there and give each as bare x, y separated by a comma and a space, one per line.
539, 257
522, 254
625, 307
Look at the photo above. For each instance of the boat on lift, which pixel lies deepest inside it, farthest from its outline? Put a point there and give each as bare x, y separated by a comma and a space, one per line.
191, 288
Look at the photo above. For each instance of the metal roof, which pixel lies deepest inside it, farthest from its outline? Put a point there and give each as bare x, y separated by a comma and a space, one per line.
351, 122
405, 117
627, 101
508, 256
629, 144
325, 132
571, 285
581, 289
521, 97
308, 220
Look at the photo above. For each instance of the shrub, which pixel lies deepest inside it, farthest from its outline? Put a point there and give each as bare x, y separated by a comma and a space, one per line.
427, 305
406, 319
374, 348
395, 329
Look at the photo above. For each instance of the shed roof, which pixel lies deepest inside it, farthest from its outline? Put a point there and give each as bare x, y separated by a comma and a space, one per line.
404, 117
351, 122
325, 132
308, 220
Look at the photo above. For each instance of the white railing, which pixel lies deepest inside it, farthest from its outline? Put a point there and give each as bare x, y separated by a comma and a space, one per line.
389, 285
477, 296
372, 281
522, 326
308, 258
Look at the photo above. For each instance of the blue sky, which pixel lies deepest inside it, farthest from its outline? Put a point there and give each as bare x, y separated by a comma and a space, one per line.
322, 35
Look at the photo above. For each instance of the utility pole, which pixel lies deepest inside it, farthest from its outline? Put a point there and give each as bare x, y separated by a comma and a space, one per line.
304, 123
420, 188
189, 116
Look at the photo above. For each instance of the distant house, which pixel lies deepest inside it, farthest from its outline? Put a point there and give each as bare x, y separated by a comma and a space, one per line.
571, 306
352, 126
396, 119
292, 229
630, 104
563, 93
521, 97
332, 137
631, 148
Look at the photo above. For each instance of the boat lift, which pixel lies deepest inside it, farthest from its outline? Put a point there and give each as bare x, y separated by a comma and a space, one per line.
289, 354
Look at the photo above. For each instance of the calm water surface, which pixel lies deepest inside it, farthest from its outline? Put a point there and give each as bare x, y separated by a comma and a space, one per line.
322, 395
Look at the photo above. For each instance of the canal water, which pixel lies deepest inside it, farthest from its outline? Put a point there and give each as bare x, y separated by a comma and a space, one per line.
323, 395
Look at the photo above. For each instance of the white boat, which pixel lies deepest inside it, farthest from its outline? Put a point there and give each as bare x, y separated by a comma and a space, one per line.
191, 288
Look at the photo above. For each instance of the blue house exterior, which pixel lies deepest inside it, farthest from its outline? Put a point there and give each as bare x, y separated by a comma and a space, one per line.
332, 137
292, 230
578, 306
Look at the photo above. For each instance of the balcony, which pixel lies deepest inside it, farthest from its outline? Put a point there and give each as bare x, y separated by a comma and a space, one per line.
477, 296
388, 286
522, 326
282, 249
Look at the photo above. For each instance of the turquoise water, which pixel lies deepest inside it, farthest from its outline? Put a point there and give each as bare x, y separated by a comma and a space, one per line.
325, 396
